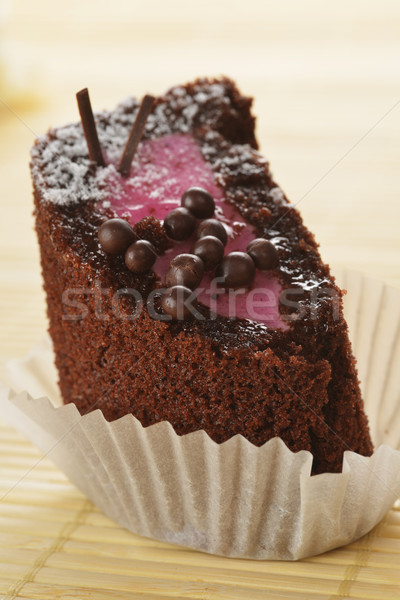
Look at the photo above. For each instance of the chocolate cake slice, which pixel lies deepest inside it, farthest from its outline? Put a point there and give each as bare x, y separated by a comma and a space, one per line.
260, 348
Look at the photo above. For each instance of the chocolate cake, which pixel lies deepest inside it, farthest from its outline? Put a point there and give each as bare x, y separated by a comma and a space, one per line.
262, 357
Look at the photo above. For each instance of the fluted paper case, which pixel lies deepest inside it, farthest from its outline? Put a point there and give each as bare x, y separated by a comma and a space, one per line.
231, 499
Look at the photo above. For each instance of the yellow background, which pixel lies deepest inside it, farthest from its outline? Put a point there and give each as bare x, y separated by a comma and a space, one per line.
326, 82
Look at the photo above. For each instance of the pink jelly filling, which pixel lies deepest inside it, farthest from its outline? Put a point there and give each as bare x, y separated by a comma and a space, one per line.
162, 170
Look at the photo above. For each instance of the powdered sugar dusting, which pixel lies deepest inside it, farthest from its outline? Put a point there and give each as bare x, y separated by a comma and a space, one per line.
62, 170
278, 196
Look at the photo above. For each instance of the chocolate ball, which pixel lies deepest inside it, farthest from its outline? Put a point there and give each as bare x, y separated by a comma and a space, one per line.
263, 253
237, 270
140, 256
212, 227
185, 270
115, 235
179, 224
173, 302
200, 203
211, 251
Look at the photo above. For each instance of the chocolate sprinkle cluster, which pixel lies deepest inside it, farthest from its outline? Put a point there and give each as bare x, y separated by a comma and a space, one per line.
116, 236
185, 272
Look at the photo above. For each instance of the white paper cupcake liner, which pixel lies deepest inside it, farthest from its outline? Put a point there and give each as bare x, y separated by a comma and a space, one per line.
232, 499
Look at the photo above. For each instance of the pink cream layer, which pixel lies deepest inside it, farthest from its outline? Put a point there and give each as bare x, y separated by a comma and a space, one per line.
162, 170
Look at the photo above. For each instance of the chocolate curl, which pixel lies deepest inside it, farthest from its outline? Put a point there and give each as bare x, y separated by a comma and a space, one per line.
89, 127
135, 135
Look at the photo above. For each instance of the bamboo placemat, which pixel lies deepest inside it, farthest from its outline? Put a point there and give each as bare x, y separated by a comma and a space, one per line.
54, 543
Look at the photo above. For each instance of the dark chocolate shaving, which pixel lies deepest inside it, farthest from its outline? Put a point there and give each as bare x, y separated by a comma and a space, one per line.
89, 127
135, 135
